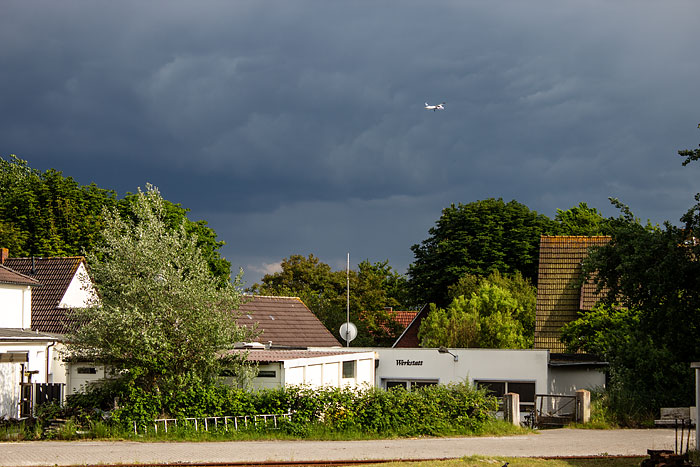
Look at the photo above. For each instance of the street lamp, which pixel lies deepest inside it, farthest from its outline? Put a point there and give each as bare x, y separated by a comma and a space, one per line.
444, 350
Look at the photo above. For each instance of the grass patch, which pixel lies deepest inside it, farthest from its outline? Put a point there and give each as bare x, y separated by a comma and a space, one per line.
483, 461
315, 432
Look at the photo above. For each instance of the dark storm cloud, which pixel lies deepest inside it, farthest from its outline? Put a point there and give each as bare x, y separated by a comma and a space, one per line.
297, 127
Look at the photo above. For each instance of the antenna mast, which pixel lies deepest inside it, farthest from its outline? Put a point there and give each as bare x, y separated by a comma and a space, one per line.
347, 306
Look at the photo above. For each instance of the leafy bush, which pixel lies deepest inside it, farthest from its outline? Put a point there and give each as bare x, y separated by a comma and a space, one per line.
433, 410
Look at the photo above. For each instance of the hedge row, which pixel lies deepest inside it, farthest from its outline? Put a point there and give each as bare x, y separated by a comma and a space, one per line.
433, 410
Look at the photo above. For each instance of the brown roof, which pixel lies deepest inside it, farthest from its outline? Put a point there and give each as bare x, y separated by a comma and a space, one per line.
409, 337
559, 298
54, 275
9, 276
285, 321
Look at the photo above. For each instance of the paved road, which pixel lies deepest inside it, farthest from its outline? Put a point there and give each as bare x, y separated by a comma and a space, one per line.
559, 442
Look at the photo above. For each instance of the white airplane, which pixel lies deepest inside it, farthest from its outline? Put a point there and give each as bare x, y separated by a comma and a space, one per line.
435, 107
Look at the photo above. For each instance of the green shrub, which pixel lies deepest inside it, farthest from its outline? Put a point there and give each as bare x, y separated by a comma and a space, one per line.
433, 410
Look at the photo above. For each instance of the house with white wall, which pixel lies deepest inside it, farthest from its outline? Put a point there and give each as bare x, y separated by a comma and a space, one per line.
27, 357
36, 296
314, 368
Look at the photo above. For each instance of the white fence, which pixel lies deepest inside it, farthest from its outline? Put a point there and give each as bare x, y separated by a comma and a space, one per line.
214, 423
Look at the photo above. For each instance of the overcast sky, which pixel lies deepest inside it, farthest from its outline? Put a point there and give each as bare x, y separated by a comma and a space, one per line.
297, 127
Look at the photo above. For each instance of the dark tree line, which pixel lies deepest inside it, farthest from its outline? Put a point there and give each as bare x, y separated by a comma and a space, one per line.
49, 214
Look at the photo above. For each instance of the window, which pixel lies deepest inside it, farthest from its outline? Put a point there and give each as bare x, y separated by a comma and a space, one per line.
349, 369
267, 374
525, 389
87, 370
409, 384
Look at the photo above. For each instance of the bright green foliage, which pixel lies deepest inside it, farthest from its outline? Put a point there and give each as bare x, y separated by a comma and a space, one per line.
520, 288
433, 410
48, 214
161, 317
372, 288
649, 328
477, 238
581, 220
490, 318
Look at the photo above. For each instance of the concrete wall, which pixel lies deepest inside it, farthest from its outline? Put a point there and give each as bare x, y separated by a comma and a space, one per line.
473, 364
566, 380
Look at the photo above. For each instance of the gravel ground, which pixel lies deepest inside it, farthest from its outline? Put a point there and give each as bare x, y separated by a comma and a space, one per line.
547, 443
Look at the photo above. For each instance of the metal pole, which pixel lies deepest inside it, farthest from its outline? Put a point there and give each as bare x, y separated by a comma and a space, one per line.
347, 307
696, 365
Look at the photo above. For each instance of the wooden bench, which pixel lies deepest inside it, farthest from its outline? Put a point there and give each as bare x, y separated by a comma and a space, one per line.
677, 416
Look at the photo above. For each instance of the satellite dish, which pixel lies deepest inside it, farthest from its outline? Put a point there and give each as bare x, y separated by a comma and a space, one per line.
348, 331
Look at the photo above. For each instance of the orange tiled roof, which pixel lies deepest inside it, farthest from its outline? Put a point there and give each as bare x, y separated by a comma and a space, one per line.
54, 275
285, 321
404, 318
559, 299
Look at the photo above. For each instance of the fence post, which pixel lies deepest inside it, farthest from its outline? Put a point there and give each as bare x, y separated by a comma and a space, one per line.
583, 406
511, 408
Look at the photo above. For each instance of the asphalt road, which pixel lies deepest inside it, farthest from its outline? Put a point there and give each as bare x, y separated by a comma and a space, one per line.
547, 443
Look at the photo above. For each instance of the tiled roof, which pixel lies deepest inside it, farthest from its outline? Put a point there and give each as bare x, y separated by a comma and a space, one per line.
404, 318
11, 334
559, 299
401, 318
409, 337
54, 275
9, 276
285, 321
268, 356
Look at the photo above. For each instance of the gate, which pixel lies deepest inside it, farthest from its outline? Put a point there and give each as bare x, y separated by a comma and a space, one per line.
25, 400
48, 392
554, 410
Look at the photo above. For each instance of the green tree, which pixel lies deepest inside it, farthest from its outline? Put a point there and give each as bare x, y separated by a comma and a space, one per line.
581, 220
477, 238
690, 155
648, 326
161, 320
49, 214
373, 287
489, 318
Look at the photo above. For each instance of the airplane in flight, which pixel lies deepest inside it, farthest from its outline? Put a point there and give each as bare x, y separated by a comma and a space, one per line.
435, 107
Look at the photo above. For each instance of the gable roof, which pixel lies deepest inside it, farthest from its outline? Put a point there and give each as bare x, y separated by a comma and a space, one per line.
9, 276
559, 299
54, 275
409, 337
285, 321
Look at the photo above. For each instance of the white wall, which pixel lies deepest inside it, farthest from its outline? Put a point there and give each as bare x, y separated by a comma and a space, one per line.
80, 374
15, 306
473, 364
9, 389
11, 373
566, 380
80, 291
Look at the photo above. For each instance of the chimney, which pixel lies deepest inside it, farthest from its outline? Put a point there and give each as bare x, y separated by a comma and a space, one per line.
4, 254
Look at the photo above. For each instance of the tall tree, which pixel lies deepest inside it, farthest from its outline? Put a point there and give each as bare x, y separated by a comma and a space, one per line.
477, 238
161, 320
373, 287
49, 214
581, 220
489, 318
648, 324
